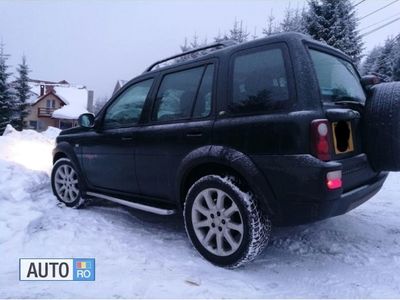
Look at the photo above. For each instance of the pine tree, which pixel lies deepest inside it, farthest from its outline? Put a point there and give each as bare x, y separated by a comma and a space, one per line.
334, 22
238, 33
221, 37
21, 96
369, 64
190, 46
396, 70
5, 93
384, 62
293, 21
185, 47
271, 28
396, 60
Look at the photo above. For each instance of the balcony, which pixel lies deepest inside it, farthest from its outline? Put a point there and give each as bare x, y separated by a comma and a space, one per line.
45, 111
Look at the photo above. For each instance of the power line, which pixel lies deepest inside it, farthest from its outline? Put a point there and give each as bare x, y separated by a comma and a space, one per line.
380, 27
358, 3
379, 9
381, 21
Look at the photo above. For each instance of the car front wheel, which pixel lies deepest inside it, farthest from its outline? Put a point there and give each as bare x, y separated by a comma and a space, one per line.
65, 183
224, 223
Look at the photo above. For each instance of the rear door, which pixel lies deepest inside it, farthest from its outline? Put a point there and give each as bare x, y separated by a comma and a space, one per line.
260, 94
180, 121
108, 154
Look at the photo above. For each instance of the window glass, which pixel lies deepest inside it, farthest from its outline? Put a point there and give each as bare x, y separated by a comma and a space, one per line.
33, 124
259, 81
176, 95
126, 109
338, 80
51, 103
202, 107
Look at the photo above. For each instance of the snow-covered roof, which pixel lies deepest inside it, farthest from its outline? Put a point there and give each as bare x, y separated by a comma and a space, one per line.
74, 96
71, 112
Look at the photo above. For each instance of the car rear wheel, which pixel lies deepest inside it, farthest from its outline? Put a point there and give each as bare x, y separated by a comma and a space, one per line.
224, 223
65, 183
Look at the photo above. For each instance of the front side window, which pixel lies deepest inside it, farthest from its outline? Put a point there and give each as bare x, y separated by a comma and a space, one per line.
176, 95
259, 81
127, 108
338, 79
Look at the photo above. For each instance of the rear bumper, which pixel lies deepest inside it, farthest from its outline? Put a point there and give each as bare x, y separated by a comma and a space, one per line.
295, 213
299, 185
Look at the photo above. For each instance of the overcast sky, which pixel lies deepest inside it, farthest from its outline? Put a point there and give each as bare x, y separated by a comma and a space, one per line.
95, 43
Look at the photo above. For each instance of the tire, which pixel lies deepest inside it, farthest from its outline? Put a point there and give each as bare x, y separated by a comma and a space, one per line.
65, 183
223, 223
382, 127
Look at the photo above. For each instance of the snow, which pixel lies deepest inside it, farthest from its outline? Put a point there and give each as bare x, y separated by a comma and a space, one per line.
71, 112
143, 255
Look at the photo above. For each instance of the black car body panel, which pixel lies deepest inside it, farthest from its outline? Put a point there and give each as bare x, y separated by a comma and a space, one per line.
269, 150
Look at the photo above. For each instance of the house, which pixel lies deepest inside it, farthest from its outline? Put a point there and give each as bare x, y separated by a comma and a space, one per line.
120, 83
57, 104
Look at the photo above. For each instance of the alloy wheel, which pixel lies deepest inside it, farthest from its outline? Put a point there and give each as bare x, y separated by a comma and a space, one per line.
217, 222
66, 183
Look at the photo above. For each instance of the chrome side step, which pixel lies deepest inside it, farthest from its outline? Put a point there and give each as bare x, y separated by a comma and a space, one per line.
152, 209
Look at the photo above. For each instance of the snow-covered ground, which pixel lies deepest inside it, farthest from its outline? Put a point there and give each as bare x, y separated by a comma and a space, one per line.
143, 255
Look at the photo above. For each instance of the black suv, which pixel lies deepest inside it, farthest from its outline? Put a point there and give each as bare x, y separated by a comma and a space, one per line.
236, 137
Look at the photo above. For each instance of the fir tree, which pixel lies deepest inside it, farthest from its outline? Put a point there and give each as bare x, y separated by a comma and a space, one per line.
293, 21
221, 37
396, 70
369, 64
334, 22
385, 62
21, 107
270, 28
238, 33
396, 60
5, 93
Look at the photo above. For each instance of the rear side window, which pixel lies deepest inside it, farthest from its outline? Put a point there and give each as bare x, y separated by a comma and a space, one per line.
176, 95
259, 81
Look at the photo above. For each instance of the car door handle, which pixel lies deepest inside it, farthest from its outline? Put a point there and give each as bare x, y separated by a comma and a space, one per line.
126, 138
194, 134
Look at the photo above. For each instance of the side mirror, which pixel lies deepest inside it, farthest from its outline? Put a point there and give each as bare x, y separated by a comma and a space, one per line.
370, 80
86, 120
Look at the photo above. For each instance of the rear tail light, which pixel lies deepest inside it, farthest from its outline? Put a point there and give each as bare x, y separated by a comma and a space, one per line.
334, 180
321, 141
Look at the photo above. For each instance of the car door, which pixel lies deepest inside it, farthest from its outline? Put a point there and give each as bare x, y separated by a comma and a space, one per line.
181, 121
108, 153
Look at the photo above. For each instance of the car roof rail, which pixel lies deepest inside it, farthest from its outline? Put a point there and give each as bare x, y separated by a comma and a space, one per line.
217, 45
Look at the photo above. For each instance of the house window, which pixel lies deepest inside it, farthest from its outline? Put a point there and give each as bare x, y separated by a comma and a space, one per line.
51, 103
33, 124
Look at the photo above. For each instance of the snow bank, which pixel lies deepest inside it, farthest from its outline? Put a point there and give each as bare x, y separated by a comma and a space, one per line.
356, 255
28, 148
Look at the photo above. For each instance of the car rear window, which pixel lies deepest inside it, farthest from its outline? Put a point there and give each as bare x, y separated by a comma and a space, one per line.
338, 79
